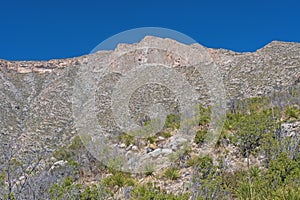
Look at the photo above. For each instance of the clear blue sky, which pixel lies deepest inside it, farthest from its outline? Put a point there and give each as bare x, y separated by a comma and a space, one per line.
42, 29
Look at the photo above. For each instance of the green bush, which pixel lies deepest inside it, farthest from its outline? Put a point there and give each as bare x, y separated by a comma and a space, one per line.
69, 152
204, 115
166, 134
292, 112
62, 153
67, 189
279, 181
288, 193
251, 128
149, 170
126, 138
118, 179
231, 121
76, 144
200, 136
172, 121
256, 104
149, 191
171, 173
283, 170
94, 192
151, 139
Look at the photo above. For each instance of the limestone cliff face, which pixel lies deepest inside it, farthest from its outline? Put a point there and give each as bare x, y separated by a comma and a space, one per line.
36, 96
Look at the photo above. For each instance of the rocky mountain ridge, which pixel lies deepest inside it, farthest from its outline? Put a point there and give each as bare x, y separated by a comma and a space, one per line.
36, 97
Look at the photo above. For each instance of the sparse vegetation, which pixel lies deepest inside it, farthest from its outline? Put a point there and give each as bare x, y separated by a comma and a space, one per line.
126, 139
172, 173
150, 191
204, 115
119, 179
200, 136
172, 121
149, 170
253, 127
152, 139
166, 134
292, 112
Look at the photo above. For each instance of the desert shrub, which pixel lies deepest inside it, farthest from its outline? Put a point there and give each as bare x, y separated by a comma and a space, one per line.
166, 134
126, 138
204, 163
66, 190
150, 191
200, 136
118, 179
279, 181
292, 112
287, 192
172, 121
69, 152
151, 139
2, 179
94, 192
204, 115
283, 170
255, 104
270, 147
207, 181
233, 179
251, 128
76, 144
149, 170
231, 120
62, 153
171, 173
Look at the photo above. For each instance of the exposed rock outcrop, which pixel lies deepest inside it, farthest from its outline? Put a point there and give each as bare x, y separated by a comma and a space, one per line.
36, 96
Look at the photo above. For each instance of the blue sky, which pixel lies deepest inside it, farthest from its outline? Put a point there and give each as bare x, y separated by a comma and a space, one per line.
42, 30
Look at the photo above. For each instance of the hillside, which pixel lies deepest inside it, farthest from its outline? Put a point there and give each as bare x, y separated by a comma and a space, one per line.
43, 109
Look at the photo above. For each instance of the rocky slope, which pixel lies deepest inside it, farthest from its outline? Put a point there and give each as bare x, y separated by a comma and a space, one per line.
36, 96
